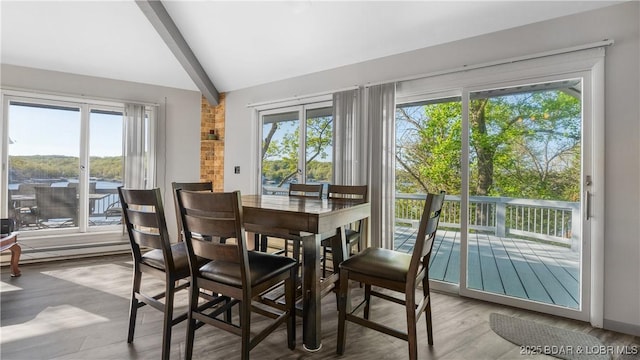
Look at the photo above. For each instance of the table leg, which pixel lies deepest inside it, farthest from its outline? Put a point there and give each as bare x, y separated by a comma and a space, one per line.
311, 289
16, 250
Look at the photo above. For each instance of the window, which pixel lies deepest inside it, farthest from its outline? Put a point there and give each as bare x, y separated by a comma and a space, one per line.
64, 161
296, 151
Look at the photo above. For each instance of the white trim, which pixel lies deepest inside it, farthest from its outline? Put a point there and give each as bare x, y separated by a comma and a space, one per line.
298, 99
56, 96
598, 189
516, 59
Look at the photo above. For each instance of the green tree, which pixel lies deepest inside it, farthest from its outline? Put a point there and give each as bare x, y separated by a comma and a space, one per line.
521, 145
280, 157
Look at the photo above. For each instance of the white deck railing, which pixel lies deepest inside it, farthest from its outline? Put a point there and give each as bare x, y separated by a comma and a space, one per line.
546, 220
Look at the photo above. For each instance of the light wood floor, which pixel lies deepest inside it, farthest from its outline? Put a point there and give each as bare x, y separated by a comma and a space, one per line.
78, 309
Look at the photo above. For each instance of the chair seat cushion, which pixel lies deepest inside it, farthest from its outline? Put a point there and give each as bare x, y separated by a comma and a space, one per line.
381, 263
262, 267
154, 258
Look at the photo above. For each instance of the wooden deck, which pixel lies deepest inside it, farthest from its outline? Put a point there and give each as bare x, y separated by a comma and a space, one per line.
513, 267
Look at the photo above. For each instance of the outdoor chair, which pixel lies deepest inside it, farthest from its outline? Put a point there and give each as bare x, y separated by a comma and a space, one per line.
56, 206
395, 271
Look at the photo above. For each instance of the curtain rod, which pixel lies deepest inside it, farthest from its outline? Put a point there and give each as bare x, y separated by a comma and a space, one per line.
593, 45
29, 93
301, 97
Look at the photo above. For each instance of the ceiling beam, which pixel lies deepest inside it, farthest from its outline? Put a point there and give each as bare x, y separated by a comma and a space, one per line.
168, 31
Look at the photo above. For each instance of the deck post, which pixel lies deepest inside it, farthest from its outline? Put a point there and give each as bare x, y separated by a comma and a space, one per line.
501, 210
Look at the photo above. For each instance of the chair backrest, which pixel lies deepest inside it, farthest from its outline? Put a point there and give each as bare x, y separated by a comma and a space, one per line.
357, 192
306, 191
190, 186
143, 215
426, 233
216, 216
57, 203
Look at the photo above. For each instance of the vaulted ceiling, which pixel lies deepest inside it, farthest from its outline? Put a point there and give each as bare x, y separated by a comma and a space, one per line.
241, 43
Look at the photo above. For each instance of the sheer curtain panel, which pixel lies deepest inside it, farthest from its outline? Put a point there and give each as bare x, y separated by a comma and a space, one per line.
134, 146
381, 106
350, 142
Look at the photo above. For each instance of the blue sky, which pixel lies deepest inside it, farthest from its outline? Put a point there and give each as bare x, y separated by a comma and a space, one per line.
42, 131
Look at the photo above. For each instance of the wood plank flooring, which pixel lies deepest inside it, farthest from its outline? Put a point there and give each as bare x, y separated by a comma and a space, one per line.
502, 265
78, 309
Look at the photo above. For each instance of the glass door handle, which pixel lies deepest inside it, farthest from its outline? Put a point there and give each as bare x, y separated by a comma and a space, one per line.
587, 199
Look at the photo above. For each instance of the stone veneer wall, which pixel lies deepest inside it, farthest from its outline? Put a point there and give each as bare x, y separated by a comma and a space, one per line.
212, 151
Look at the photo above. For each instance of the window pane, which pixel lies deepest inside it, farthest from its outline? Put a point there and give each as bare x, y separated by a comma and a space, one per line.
105, 167
280, 151
44, 143
524, 184
428, 148
319, 146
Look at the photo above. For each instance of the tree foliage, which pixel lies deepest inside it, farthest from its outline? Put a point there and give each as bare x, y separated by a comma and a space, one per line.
521, 145
280, 153
64, 167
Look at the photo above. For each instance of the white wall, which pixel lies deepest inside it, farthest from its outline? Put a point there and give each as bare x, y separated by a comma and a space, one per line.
622, 74
178, 115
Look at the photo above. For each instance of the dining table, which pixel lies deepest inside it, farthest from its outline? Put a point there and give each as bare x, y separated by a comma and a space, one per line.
314, 220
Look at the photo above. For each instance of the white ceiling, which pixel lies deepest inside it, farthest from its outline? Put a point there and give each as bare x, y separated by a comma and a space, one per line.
240, 43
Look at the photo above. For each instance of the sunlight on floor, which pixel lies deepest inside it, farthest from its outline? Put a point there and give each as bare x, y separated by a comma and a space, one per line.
95, 276
6, 287
50, 320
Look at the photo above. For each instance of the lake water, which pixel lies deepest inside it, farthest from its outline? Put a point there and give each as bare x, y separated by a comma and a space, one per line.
99, 184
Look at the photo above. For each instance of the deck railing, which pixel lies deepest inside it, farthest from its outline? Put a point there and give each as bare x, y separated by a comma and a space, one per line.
546, 220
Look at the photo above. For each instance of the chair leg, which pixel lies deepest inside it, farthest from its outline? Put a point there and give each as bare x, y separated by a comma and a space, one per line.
367, 299
427, 310
324, 261
342, 311
133, 309
410, 307
264, 243
245, 324
191, 322
290, 295
168, 319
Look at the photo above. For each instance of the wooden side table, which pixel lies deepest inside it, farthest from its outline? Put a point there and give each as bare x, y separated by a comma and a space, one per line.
10, 242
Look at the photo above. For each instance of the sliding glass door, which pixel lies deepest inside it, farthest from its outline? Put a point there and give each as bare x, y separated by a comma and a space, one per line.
524, 228
515, 159
296, 147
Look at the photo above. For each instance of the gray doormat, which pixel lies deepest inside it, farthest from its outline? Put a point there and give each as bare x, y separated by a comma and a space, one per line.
549, 340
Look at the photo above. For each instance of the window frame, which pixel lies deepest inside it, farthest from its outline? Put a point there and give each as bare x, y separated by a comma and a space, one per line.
85, 106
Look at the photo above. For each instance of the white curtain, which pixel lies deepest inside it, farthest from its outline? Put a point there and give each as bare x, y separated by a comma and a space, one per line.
350, 140
135, 146
381, 106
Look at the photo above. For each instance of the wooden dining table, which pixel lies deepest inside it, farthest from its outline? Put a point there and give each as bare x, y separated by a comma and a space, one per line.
316, 220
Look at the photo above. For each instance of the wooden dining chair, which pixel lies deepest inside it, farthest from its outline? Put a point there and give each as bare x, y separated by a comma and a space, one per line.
300, 191
396, 271
191, 186
233, 271
144, 218
353, 234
